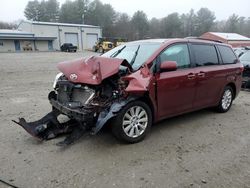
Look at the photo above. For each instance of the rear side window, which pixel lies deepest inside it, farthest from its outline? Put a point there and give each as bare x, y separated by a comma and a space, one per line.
228, 57
205, 55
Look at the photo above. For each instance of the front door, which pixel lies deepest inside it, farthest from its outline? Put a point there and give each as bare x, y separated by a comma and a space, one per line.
176, 89
17, 45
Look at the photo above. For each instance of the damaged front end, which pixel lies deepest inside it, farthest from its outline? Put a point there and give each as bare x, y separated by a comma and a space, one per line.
89, 92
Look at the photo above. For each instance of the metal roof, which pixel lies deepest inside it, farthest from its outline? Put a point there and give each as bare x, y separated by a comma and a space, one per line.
60, 24
20, 35
230, 36
12, 32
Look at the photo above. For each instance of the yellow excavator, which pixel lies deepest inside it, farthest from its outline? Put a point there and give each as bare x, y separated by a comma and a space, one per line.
107, 43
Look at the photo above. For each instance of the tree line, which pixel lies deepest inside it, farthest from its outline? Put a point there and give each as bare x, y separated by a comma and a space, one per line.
137, 26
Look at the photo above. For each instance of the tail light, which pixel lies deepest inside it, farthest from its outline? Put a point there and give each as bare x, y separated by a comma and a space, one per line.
241, 68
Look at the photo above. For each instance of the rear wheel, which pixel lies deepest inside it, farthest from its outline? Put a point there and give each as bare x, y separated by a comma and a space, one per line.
133, 122
101, 50
226, 100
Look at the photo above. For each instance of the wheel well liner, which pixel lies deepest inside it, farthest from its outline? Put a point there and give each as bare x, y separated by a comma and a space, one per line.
148, 101
232, 85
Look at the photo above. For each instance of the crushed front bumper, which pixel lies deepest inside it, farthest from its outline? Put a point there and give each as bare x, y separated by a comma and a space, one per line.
83, 115
49, 127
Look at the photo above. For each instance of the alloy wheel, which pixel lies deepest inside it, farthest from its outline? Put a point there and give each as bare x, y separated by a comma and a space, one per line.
135, 121
227, 99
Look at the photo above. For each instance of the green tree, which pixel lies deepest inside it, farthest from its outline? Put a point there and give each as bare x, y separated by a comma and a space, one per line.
6, 25
47, 11
155, 28
68, 13
232, 24
32, 11
122, 26
171, 26
247, 27
204, 21
188, 22
140, 25
103, 15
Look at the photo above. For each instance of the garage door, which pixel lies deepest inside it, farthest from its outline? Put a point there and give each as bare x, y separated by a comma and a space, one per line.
71, 38
91, 40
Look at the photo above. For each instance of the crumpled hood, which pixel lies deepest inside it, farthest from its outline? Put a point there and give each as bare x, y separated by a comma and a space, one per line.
90, 70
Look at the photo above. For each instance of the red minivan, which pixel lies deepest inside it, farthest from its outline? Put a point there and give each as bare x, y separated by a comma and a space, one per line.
137, 84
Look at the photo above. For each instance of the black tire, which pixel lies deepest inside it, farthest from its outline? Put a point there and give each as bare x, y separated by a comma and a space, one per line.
118, 128
101, 50
225, 104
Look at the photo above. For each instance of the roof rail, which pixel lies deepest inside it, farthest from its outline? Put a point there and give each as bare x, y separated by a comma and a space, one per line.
199, 38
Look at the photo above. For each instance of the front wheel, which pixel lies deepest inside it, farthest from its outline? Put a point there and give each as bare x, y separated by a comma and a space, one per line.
226, 100
133, 122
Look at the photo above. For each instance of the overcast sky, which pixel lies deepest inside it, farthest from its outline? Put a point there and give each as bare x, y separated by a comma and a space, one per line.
12, 10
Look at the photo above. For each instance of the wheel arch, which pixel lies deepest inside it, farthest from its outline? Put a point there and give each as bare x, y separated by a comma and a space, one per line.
146, 99
233, 86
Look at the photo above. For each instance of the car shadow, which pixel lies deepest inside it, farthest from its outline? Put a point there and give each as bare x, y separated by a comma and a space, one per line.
105, 139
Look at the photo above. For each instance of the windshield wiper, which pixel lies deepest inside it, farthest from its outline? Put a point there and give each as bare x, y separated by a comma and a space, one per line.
119, 51
136, 53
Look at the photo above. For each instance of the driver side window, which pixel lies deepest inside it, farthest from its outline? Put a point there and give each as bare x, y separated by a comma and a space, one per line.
178, 53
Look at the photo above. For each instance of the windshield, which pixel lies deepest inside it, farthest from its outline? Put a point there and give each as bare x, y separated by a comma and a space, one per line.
135, 54
245, 58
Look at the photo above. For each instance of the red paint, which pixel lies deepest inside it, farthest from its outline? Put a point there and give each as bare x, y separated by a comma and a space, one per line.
175, 92
90, 70
138, 81
171, 93
169, 65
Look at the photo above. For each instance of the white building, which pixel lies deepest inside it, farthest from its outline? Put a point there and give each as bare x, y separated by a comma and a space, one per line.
14, 40
48, 36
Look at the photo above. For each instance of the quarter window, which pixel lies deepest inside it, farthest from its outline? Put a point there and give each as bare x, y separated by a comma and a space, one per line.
178, 53
227, 54
205, 55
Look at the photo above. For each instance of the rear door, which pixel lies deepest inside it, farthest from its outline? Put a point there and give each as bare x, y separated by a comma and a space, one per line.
210, 74
230, 61
176, 89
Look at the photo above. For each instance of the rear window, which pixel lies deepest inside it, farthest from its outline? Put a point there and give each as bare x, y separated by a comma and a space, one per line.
227, 54
205, 55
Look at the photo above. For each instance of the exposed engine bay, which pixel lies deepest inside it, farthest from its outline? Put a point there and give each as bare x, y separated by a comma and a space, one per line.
89, 93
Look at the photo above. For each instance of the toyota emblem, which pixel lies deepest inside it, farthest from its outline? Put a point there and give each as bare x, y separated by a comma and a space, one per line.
73, 76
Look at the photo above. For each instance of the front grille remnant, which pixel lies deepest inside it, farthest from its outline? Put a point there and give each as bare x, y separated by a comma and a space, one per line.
71, 93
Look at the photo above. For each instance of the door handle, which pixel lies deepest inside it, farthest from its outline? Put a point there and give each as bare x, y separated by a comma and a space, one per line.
191, 76
201, 74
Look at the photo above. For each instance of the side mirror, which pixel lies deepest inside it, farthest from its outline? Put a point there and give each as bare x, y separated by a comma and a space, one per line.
168, 66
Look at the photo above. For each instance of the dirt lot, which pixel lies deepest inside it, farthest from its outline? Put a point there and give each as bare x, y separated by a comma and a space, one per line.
201, 149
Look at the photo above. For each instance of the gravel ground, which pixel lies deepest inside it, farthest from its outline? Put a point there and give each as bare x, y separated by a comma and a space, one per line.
200, 149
